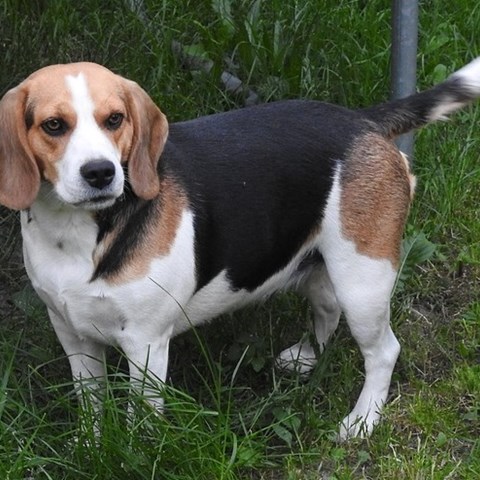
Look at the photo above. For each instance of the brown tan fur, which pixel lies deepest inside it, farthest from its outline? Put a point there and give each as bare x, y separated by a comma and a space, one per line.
376, 191
43, 104
19, 174
156, 241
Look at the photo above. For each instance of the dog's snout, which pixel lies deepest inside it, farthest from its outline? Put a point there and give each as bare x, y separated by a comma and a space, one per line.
98, 173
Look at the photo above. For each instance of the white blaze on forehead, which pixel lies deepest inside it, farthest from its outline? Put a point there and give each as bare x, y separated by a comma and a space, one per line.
87, 142
81, 100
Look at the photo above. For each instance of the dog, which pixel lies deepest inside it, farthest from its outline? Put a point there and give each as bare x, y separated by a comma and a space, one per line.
135, 230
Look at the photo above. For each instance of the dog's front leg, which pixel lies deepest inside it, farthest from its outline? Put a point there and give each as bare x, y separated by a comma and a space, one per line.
87, 362
148, 361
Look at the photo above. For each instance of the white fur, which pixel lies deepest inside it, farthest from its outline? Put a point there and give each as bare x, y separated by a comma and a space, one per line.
87, 143
470, 75
470, 78
138, 316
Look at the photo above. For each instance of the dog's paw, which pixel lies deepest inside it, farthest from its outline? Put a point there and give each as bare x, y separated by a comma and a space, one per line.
357, 426
298, 358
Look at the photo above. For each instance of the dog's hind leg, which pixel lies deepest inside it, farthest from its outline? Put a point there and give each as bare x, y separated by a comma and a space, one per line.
363, 285
360, 243
363, 291
318, 289
365, 300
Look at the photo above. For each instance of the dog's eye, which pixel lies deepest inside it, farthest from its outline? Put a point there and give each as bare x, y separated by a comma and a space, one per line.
114, 121
54, 127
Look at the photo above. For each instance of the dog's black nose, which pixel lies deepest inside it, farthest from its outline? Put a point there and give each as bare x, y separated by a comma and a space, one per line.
98, 173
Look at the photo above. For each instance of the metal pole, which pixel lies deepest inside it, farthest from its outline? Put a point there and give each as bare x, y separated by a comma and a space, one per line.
404, 58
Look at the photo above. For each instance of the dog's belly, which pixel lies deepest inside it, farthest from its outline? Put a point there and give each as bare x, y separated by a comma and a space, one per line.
218, 297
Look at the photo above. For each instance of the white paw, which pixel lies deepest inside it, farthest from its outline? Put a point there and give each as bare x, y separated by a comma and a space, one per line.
357, 426
298, 358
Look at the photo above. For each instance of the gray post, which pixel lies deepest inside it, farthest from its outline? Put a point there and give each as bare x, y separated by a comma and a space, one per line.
404, 58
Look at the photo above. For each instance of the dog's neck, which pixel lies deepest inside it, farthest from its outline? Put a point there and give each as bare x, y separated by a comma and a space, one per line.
57, 225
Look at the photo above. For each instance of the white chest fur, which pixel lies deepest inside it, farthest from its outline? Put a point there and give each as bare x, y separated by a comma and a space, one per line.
60, 243
59, 246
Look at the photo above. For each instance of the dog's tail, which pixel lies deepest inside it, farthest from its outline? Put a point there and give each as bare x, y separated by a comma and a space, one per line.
400, 116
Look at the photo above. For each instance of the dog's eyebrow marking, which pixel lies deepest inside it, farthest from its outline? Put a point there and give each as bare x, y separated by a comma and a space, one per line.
29, 117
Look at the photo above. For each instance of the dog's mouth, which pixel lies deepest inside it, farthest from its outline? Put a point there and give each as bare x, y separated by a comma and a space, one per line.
96, 203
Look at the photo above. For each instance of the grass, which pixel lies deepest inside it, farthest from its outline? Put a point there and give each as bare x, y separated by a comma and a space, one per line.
230, 414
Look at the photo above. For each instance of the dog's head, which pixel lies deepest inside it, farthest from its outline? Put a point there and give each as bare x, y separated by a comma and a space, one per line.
75, 126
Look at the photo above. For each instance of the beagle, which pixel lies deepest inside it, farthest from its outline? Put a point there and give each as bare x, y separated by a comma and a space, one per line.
135, 230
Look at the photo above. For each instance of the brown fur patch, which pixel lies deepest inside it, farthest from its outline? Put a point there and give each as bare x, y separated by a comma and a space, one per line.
157, 238
376, 191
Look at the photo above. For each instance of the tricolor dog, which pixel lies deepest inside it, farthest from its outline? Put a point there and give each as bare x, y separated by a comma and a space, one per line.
135, 230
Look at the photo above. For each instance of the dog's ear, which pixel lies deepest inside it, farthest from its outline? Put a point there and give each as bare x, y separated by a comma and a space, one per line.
150, 131
19, 174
